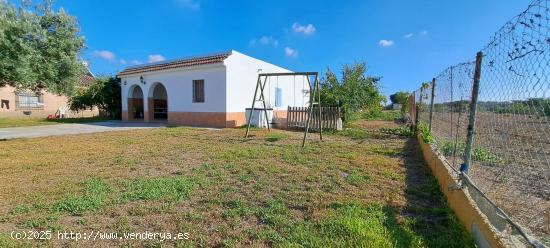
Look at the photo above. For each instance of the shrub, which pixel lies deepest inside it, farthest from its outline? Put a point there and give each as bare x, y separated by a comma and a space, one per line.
353, 92
104, 94
425, 132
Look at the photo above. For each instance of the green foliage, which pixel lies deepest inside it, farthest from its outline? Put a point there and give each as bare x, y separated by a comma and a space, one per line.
454, 106
94, 196
104, 93
39, 48
425, 132
402, 98
386, 115
426, 85
401, 131
448, 148
478, 154
483, 155
531, 106
353, 92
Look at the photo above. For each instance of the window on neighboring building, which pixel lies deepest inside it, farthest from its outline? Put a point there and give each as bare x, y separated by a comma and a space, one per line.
198, 90
278, 97
29, 100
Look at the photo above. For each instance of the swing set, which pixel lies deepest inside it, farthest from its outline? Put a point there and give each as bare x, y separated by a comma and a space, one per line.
314, 99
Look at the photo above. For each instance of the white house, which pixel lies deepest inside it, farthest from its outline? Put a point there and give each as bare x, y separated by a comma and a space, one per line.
210, 90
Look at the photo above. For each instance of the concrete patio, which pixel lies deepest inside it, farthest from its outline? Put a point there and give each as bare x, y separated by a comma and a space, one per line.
73, 128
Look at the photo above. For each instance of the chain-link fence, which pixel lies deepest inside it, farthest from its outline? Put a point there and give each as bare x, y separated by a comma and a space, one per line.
510, 156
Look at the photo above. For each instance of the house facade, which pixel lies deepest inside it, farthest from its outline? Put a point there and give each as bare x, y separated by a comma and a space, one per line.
15, 103
211, 90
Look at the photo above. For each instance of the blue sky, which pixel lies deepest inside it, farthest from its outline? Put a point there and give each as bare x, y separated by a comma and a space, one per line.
405, 42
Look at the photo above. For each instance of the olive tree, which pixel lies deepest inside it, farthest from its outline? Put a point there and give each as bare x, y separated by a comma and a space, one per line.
39, 48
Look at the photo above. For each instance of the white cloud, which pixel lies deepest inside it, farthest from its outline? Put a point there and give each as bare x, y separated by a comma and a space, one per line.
409, 35
264, 40
386, 43
190, 4
136, 62
104, 54
307, 30
424, 32
290, 52
122, 61
156, 58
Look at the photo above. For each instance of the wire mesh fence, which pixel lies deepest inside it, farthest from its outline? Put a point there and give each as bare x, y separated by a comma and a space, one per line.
450, 110
510, 157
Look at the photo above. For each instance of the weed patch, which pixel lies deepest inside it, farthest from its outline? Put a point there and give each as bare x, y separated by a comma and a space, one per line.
170, 189
357, 178
451, 148
275, 137
94, 196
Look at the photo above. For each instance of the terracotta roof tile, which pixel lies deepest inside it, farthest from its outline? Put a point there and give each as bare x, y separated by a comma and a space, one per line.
176, 63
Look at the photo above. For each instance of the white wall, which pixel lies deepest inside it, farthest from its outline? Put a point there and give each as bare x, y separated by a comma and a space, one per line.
179, 86
242, 76
229, 86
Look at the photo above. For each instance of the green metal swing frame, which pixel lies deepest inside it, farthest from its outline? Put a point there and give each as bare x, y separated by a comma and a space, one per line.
314, 100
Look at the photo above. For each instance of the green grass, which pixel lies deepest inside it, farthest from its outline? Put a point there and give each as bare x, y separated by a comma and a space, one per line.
275, 137
357, 178
385, 115
94, 196
355, 133
98, 194
169, 189
404, 131
24, 122
350, 224
362, 189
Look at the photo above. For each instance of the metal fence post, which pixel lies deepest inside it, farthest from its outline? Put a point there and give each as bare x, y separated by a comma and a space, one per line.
415, 107
432, 105
472, 119
419, 107
412, 108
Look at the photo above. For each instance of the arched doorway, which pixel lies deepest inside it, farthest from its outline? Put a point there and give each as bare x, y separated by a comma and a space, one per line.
135, 103
159, 102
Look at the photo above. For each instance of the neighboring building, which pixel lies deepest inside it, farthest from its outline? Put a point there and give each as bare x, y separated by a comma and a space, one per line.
20, 103
396, 106
211, 90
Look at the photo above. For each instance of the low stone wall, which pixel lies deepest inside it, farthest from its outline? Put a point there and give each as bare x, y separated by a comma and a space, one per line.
460, 200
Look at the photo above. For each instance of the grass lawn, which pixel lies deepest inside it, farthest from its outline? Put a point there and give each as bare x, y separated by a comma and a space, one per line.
359, 188
24, 122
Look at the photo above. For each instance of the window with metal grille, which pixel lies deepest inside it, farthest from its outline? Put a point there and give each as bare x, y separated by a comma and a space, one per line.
29, 100
198, 90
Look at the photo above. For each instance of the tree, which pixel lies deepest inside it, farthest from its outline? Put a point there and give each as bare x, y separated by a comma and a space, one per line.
39, 48
354, 92
402, 98
104, 94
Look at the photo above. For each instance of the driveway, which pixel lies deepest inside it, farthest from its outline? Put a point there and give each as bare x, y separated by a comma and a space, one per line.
72, 128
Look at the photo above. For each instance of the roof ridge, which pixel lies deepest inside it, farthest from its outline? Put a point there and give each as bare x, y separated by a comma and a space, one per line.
168, 61
178, 62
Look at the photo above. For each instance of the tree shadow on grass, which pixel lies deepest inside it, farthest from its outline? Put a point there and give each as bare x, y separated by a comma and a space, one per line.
429, 221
